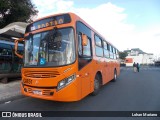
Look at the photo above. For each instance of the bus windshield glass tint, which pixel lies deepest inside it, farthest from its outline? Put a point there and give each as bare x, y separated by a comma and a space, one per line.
51, 48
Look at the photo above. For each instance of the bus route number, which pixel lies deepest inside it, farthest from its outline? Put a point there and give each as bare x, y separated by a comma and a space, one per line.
27, 81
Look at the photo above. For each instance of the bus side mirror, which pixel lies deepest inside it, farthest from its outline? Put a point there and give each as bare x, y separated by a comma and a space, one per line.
84, 40
16, 47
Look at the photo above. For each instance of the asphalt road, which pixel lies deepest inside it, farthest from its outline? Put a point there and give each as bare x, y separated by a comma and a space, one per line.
131, 92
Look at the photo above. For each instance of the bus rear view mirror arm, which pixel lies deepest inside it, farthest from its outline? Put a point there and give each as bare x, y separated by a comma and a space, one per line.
16, 47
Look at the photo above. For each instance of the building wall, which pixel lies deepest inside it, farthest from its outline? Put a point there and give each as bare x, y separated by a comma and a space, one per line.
141, 59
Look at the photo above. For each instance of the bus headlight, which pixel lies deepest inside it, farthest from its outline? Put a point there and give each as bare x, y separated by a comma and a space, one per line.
65, 82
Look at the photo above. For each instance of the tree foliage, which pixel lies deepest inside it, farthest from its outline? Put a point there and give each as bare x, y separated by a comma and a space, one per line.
16, 11
122, 55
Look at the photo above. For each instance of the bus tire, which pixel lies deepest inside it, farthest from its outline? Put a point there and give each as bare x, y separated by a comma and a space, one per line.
115, 76
97, 85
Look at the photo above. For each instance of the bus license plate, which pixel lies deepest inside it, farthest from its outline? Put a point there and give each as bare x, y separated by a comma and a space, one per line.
37, 92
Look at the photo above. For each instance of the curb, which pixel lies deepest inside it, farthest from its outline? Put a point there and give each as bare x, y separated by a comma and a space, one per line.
10, 91
11, 98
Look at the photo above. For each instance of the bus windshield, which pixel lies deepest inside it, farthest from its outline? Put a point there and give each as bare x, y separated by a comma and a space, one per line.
50, 48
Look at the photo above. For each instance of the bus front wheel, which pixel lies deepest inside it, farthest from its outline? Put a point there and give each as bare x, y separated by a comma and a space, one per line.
97, 85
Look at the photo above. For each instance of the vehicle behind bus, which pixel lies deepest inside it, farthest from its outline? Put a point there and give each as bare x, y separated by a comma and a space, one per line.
10, 64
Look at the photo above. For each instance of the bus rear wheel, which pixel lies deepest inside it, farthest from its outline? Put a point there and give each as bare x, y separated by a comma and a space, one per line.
97, 85
115, 76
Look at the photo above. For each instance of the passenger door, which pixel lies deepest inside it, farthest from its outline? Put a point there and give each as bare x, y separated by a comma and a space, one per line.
84, 66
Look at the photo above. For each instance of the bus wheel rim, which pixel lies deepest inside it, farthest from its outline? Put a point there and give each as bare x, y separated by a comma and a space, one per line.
115, 76
96, 84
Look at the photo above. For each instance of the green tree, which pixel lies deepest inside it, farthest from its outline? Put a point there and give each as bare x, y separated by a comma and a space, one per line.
122, 55
16, 11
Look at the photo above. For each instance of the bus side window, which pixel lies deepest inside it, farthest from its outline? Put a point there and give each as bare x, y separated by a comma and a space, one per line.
84, 52
98, 46
117, 54
114, 54
105, 47
80, 45
111, 52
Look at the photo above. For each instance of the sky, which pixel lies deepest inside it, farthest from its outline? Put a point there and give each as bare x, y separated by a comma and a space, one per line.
125, 23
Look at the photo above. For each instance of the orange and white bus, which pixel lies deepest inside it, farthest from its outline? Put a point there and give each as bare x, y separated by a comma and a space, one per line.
65, 59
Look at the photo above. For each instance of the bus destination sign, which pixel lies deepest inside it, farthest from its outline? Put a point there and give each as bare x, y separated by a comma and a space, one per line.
47, 22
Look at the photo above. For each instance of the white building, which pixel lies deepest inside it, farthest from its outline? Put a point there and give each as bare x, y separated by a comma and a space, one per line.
138, 56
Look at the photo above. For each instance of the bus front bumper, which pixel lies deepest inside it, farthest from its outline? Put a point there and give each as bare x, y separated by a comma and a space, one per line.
67, 94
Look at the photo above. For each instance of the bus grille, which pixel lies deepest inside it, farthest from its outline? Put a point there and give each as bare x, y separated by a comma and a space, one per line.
41, 74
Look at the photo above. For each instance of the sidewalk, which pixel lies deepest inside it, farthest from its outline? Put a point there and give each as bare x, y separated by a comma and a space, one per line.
9, 90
